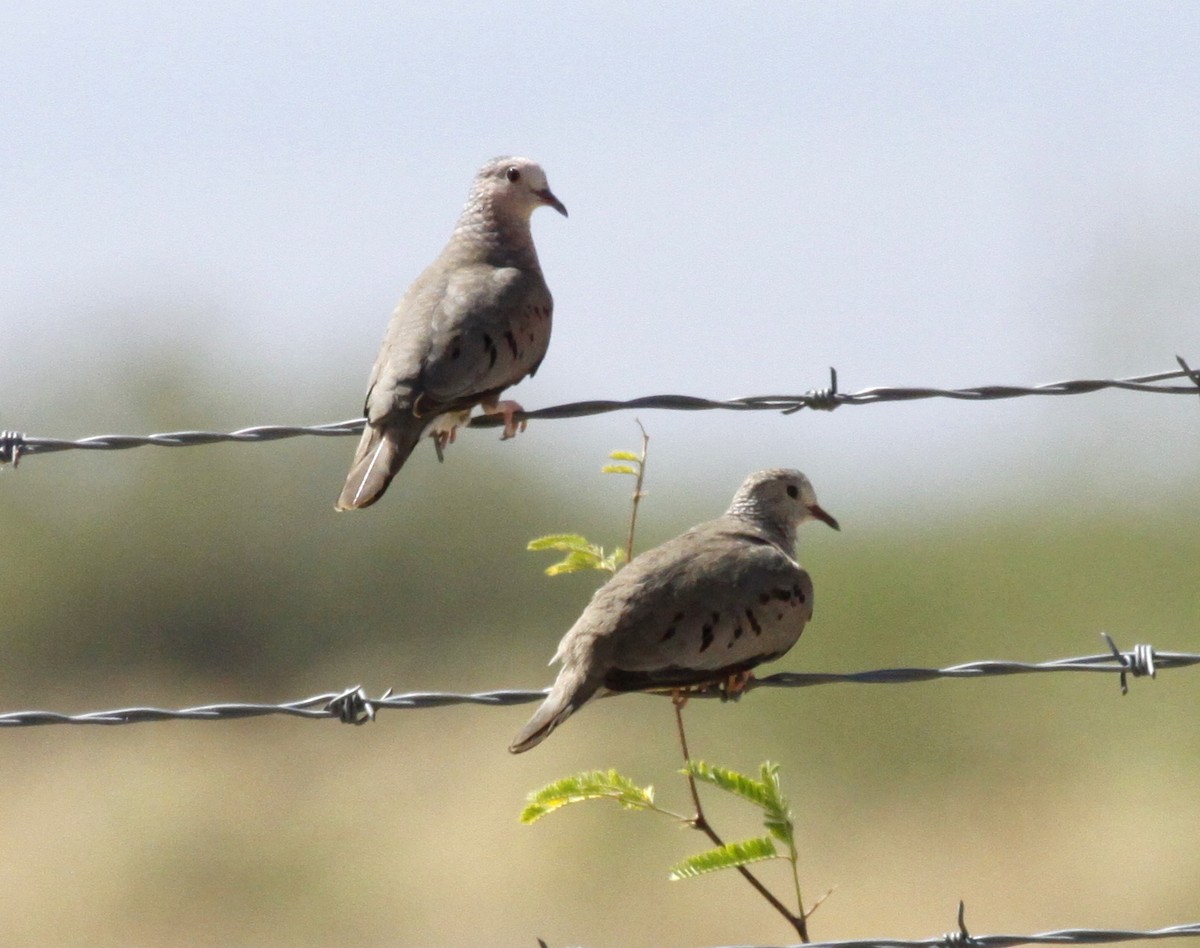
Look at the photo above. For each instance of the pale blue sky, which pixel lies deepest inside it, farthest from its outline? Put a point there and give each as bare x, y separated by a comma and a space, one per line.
917, 193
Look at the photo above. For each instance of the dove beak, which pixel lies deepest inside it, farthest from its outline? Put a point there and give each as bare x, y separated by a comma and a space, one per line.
816, 511
551, 201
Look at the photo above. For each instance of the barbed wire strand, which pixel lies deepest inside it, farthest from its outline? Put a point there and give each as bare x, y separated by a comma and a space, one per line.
14, 445
354, 706
1065, 936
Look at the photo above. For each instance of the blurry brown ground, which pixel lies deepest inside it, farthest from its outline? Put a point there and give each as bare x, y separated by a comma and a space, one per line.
223, 574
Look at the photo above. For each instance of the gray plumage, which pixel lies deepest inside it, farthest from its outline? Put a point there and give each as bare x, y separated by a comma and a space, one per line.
703, 608
476, 321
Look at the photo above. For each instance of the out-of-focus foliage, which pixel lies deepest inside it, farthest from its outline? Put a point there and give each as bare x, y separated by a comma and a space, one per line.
182, 576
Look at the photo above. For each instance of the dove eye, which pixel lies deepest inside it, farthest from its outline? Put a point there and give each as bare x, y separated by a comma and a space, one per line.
793, 491
513, 175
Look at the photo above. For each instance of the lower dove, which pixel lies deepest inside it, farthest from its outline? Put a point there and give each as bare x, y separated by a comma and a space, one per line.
701, 609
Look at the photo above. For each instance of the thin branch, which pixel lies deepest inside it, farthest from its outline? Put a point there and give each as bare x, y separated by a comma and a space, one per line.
700, 822
637, 492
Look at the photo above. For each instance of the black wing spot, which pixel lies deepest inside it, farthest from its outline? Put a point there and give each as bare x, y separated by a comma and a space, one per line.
754, 622
666, 635
706, 636
798, 593
490, 344
512, 343
764, 598
783, 595
737, 632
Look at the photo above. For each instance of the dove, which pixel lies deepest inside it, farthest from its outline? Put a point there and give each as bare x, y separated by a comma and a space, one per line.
476, 321
703, 608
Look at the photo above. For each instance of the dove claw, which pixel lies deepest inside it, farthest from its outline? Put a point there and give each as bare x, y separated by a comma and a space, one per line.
507, 409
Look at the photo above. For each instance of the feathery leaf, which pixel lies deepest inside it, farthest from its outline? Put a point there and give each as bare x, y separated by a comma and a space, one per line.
729, 856
777, 814
558, 541
730, 781
589, 785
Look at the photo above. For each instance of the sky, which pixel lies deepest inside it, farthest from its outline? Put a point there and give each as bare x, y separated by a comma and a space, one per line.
914, 193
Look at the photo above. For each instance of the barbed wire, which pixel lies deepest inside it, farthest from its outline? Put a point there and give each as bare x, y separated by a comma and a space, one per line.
354, 706
962, 939
14, 445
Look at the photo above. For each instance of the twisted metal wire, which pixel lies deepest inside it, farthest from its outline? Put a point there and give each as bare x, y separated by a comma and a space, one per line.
354, 706
960, 939
14, 445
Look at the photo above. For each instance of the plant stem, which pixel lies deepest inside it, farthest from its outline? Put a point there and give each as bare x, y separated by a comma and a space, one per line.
700, 822
794, 859
637, 493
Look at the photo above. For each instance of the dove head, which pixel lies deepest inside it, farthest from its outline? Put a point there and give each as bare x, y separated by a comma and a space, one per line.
779, 500
514, 186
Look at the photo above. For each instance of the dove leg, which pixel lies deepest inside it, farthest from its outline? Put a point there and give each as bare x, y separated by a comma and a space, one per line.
506, 409
734, 686
444, 431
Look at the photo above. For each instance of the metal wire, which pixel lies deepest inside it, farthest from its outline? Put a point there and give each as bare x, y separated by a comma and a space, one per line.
354, 706
14, 445
1065, 936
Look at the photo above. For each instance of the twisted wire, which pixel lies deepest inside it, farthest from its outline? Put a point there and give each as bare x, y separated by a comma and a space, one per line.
1065, 936
15, 445
354, 706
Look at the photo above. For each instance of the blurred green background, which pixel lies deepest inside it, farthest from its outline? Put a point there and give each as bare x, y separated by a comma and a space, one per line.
208, 211
176, 577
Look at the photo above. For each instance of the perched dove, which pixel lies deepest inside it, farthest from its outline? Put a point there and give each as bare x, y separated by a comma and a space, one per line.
703, 608
475, 322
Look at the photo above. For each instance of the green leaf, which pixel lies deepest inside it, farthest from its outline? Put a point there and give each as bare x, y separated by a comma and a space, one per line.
625, 456
559, 541
615, 559
618, 469
577, 561
730, 781
729, 856
777, 813
589, 785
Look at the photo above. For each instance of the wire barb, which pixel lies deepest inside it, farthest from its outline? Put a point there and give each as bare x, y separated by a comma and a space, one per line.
962, 937
13, 445
820, 399
353, 706
1193, 374
1138, 662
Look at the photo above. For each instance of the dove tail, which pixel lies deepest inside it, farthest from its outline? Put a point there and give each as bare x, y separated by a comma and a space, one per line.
570, 693
380, 455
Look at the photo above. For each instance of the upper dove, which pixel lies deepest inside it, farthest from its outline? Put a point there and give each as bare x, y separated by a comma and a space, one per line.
701, 609
476, 321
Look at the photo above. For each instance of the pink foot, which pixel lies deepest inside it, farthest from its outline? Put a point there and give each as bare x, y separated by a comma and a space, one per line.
506, 409
734, 686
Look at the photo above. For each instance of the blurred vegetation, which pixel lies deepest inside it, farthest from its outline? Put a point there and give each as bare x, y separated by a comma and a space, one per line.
223, 573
